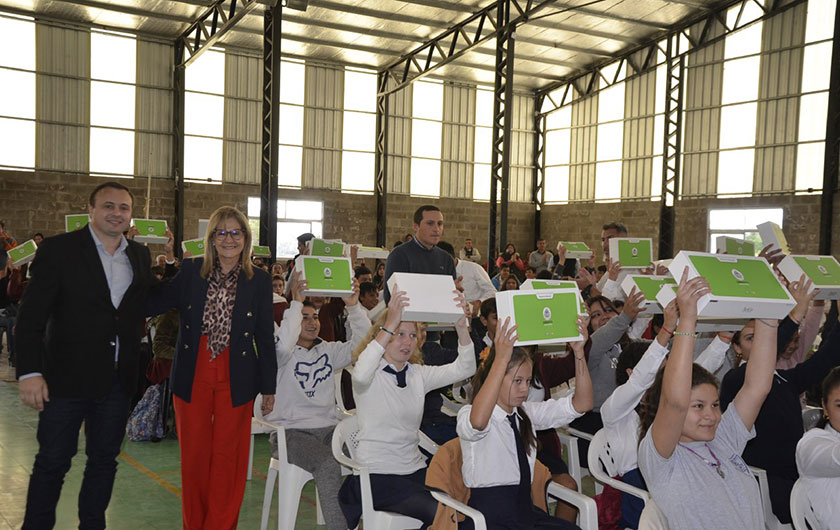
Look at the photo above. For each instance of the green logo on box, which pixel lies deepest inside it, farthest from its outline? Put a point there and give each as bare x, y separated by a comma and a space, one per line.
634, 254
824, 271
746, 278
327, 276
541, 318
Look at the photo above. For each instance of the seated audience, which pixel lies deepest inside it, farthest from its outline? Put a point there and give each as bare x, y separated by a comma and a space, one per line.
540, 259
499, 280
511, 257
469, 252
278, 287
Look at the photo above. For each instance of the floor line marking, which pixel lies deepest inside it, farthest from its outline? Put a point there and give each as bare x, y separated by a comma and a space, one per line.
152, 475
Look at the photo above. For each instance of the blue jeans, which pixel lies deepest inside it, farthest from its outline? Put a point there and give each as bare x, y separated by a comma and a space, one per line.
58, 438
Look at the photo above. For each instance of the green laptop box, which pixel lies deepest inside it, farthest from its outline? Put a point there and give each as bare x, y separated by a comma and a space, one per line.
772, 234
326, 247
741, 286
194, 246
74, 221
372, 252
152, 231
823, 271
260, 251
632, 253
23, 253
543, 317
535, 285
576, 249
734, 246
649, 286
325, 276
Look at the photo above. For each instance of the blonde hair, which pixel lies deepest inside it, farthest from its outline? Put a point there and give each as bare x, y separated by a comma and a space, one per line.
219, 216
416, 355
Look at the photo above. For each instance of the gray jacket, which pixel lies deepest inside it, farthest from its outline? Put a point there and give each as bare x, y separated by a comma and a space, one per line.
603, 357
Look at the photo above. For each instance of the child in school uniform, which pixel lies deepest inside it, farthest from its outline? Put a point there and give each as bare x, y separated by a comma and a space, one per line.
690, 454
498, 432
389, 384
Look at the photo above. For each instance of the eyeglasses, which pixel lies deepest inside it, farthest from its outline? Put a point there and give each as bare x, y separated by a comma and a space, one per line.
236, 235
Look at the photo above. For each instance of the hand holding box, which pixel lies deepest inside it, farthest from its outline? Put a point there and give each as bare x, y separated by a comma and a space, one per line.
632, 253
152, 231
23, 253
543, 317
823, 271
431, 297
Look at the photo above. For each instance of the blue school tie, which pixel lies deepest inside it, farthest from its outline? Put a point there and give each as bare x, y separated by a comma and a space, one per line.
524, 493
400, 375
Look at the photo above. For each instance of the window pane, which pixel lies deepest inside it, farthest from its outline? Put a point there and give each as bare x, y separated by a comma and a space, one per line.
357, 171
658, 134
656, 179
359, 131
813, 113
311, 210
610, 141
425, 138
17, 143
745, 41
254, 206
207, 73
111, 151
810, 159
292, 78
287, 233
202, 158
481, 182
608, 180
359, 91
735, 171
18, 98
425, 177
737, 126
291, 166
740, 80
483, 145
427, 100
317, 229
484, 107
17, 43
557, 184
558, 146
559, 119
291, 124
111, 105
746, 219
815, 71
204, 115
113, 58
820, 20
661, 89
611, 103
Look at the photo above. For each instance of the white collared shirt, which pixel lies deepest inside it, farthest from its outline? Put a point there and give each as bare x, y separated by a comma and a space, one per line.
118, 274
476, 282
818, 463
489, 455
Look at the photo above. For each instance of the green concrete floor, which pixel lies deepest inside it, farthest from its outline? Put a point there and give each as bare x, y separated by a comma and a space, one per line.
147, 491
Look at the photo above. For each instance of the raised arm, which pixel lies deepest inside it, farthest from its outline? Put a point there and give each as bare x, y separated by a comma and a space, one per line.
289, 332
676, 384
464, 365
368, 360
759, 374
584, 397
484, 402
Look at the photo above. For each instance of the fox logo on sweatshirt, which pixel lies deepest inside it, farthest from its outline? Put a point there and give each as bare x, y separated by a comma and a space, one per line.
309, 375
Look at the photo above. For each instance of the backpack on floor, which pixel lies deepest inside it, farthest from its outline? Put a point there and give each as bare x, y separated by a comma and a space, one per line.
146, 420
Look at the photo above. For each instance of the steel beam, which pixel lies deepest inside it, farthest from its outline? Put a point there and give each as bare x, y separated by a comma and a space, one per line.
648, 52
178, 87
272, 20
381, 168
831, 164
672, 146
538, 188
459, 39
211, 24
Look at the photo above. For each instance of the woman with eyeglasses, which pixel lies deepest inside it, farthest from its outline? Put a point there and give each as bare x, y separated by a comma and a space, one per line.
224, 358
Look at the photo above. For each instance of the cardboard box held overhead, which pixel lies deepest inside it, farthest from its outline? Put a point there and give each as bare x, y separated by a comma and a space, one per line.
576, 249
734, 246
649, 286
824, 272
431, 297
325, 276
631, 252
543, 317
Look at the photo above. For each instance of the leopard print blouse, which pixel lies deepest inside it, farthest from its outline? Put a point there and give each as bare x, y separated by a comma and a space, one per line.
218, 309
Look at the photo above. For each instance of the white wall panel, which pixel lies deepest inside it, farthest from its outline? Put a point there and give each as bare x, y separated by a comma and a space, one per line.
243, 119
153, 110
322, 127
458, 139
399, 140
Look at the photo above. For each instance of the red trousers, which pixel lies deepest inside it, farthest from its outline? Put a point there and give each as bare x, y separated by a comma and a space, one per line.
215, 440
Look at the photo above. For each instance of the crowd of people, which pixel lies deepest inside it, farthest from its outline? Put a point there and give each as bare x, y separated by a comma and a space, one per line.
685, 413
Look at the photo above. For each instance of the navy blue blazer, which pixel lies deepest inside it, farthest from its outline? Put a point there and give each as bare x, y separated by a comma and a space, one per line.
253, 362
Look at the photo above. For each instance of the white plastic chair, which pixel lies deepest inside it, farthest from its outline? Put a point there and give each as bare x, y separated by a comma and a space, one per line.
811, 416
652, 518
256, 428
587, 509
346, 435
771, 522
569, 439
801, 510
603, 468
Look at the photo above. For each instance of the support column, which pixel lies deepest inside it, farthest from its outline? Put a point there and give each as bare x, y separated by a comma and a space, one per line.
380, 185
271, 127
672, 147
502, 121
178, 84
831, 165
538, 189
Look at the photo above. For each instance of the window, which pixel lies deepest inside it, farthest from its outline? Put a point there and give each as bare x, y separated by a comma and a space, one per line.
741, 224
483, 144
293, 219
113, 73
359, 135
610, 142
204, 114
736, 162
292, 84
558, 147
426, 129
17, 106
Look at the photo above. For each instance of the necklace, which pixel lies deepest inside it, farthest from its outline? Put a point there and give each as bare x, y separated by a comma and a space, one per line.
714, 465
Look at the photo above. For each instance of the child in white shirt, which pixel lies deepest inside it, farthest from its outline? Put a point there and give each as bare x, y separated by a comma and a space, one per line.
498, 432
